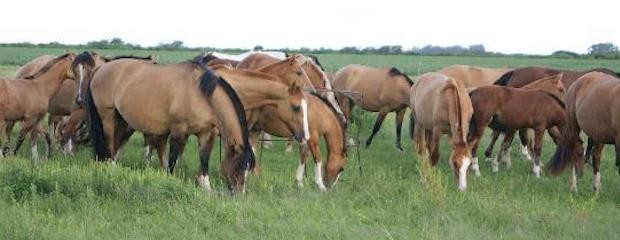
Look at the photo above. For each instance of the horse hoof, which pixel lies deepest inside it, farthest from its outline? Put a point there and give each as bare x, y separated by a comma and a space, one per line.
299, 184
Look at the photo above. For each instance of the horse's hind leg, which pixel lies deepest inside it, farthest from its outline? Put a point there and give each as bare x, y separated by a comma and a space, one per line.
617, 145
400, 115
538, 137
3, 137
433, 145
205, 141
26, 127
8, 129
501, 155
177, 146
596, 166
301, 168
489, 151
526, 144
377, 126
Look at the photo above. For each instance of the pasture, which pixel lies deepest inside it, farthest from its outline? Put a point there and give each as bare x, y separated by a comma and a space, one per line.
384, 195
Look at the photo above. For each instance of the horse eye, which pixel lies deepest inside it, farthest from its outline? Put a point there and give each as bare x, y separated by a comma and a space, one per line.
296, 108
299, 73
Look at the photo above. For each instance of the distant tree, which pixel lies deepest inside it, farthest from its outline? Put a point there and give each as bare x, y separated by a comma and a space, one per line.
565, 54
603, 50
477, 49
349, 50
258, 48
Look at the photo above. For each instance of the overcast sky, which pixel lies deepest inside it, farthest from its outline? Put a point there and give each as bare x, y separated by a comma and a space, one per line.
524, 26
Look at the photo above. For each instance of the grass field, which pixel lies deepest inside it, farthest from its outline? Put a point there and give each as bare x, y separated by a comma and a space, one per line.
384, 195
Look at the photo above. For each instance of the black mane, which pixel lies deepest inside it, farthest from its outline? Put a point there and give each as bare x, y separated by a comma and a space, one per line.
316, 60
47, 66
395, 72
504, 79
147, 58
85, 57
606, 71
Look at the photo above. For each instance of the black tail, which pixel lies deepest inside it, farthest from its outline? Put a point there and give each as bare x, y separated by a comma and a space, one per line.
411, 126
208, 82
565, 149
504, 79
95, 129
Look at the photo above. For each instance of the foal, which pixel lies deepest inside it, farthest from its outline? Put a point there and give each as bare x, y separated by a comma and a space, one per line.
510, 109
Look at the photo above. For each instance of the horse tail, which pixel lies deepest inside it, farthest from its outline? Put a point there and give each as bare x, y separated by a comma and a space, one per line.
504, 79
570, 137
456, 112
411, 125
208, 83
95, 129
589, 149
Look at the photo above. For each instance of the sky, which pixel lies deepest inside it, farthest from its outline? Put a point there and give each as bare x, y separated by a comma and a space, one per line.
508, 26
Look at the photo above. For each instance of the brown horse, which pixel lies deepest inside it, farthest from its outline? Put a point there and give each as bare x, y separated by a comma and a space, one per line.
472, 76
551, 85
382, 90
130, 95
511, 109
324, 122
592, 106
317, 76
440, 105
83, 66
28, 100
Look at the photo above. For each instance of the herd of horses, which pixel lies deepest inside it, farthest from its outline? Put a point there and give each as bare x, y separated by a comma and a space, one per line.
92, 98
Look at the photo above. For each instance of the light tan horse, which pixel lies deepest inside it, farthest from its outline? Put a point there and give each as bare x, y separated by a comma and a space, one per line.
324, 122
318, 79
28, 100
440, 105
592, 106
33, 66
473, 76
552, 85
382, 90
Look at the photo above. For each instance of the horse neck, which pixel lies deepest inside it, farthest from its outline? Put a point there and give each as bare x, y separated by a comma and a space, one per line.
254, 90
230, 126
49, 82
334, 134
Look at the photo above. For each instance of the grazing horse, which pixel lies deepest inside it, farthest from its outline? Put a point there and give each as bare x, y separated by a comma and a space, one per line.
551, 85
472, 76
173, 100
508, 110
383, 90
592, 105
316, 75
440, 105
323, 122
27, 100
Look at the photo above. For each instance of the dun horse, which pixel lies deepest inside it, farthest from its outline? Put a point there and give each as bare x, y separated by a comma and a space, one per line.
28, 100
382, 90
323, 122
511, 109
592, 106
440, 105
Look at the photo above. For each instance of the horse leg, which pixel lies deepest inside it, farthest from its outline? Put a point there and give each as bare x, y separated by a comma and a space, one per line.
177, 146
68, 133
8, 129
318, 167
48, 141
489, 151
617, 148
289, 146
268, 143
301, 168
377, 126
205, 141
346, 105
148, 142
400, 115
34, 134
504, 149
596, 166
526, 144
433, 137
27, 125
3, 136
538, 137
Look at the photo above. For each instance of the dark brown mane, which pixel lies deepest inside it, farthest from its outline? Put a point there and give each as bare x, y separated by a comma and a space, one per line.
606, 71
147, 58
48, 66
316, 61
395, 72
343, 126
85, 57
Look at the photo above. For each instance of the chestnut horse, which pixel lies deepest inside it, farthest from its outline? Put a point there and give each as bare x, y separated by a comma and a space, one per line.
552, 85
383, 90
592, 106
27, 101
508, 110
440, 105
323, 122
472, 76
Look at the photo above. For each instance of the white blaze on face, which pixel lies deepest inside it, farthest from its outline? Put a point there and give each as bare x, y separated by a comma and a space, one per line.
463, 173
304, 110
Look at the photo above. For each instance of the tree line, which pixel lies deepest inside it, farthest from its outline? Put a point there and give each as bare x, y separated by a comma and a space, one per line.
600, 50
